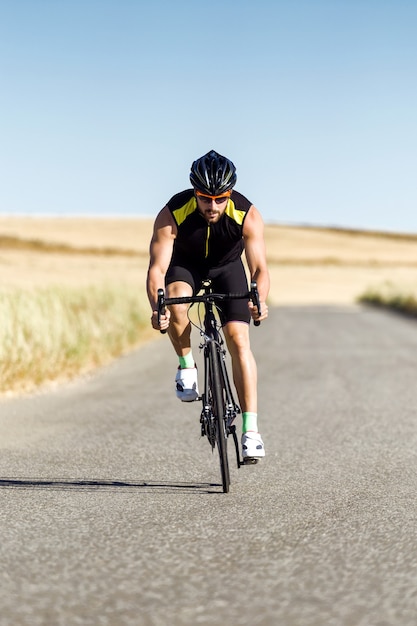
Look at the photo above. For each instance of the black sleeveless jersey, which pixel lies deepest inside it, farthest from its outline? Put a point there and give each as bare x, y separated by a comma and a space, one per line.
207, 245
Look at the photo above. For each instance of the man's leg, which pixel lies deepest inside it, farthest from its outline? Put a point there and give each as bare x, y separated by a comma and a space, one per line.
246, 383
180, 334
179, 327
243, 365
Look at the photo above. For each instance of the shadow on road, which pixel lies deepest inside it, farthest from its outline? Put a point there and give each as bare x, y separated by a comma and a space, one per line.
141, 486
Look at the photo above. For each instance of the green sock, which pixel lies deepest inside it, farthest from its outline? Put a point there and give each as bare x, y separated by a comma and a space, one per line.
187, 360
250, 422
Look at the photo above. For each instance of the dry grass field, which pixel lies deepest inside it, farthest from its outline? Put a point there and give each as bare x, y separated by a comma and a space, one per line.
72, 290
307, 265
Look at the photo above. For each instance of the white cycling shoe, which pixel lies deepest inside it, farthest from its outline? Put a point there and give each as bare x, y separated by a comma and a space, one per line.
186, 384
252, 447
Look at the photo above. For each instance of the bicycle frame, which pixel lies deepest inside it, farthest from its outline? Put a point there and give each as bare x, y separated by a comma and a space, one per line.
219, 407
231, 408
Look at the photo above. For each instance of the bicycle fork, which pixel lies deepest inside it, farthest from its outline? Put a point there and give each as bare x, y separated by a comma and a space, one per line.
207, 418
231, 408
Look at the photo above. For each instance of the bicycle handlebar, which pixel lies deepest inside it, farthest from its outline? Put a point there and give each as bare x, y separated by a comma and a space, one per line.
252, 295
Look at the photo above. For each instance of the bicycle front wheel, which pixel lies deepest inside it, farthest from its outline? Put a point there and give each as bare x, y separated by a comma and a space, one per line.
218, 406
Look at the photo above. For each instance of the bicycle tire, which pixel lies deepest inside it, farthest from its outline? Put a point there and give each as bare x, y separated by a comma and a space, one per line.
219, 414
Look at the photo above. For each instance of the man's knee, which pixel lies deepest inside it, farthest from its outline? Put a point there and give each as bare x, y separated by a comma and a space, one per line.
179, 289
237, 336
179, 313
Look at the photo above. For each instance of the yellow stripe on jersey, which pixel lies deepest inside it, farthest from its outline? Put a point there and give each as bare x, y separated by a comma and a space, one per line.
207, 240
181, 214
234, 213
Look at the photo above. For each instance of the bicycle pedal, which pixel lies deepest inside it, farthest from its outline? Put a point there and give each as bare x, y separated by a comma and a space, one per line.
250, 461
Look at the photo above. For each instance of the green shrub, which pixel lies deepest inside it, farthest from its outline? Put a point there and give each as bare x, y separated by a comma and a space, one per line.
389, 296
54, 333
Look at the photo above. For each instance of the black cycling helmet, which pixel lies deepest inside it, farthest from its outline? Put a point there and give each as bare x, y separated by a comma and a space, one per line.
213, 174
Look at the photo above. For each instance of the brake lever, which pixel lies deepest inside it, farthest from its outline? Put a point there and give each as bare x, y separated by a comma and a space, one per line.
255, 300
161, 308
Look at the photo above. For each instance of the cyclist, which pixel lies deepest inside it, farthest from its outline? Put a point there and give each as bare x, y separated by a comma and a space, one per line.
202, 233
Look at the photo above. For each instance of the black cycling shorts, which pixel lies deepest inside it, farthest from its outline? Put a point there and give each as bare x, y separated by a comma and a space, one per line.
230, 278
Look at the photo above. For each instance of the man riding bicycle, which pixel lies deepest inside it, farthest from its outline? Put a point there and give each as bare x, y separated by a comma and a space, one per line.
202, 233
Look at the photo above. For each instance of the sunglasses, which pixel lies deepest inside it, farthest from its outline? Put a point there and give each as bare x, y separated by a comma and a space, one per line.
208, 199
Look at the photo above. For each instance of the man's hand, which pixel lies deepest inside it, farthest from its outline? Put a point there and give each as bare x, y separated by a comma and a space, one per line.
254, 311
164, 320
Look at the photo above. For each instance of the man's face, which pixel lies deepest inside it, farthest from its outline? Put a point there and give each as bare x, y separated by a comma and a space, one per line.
212, 207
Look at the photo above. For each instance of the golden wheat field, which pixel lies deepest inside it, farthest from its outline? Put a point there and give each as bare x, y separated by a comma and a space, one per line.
72, 290
307, 265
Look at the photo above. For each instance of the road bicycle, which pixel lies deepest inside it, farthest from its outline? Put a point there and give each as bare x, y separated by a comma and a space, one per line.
219, 408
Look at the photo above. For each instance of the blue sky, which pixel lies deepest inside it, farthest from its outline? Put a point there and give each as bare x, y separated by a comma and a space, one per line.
104, 104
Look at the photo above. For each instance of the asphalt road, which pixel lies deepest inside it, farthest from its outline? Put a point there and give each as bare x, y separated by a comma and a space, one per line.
112, 512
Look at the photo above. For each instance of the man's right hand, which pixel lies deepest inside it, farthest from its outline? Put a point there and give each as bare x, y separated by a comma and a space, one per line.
164, 320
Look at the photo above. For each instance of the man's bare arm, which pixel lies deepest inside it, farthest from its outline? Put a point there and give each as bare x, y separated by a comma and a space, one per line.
253, 235
160, 252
